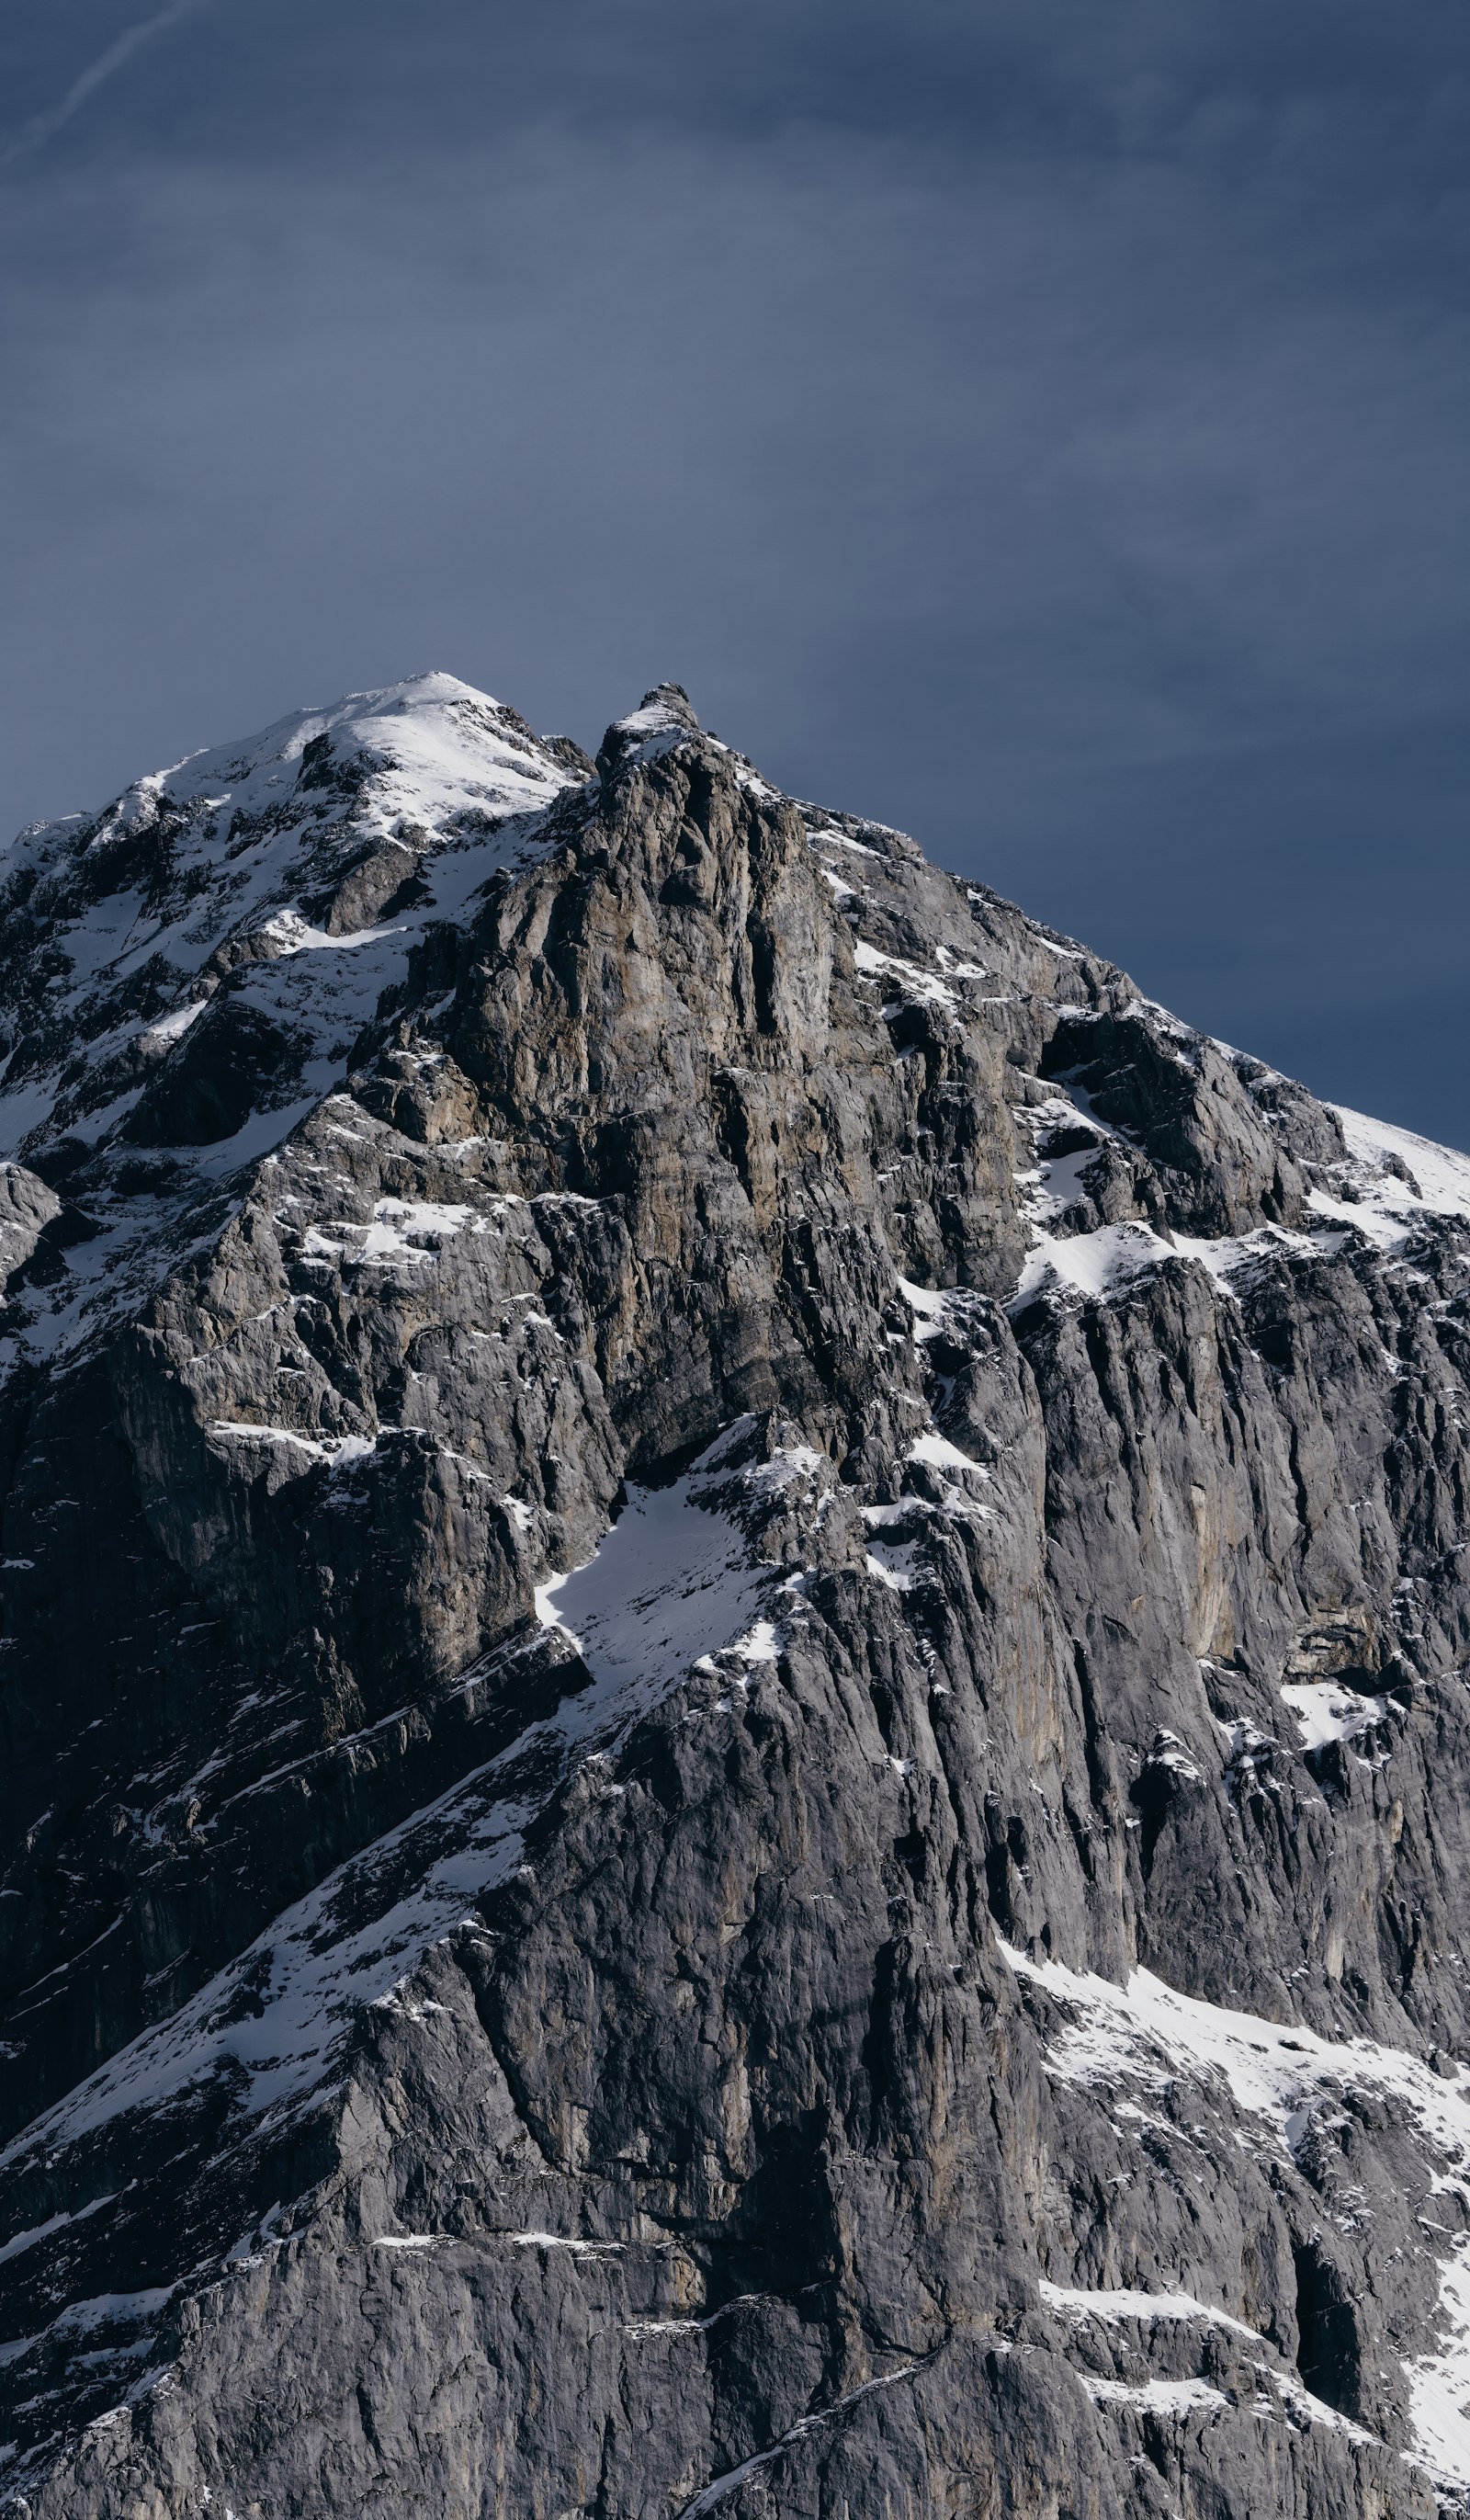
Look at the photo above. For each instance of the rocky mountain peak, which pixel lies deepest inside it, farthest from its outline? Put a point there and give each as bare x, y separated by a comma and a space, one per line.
733, 1614
664, 718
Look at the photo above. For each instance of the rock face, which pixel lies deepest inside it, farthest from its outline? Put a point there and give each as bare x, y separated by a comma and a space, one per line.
736, 1618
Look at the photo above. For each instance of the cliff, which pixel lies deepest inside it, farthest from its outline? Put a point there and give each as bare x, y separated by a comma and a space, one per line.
733, 1658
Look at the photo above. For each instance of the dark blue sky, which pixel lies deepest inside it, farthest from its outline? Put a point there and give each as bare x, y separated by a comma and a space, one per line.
1039, 424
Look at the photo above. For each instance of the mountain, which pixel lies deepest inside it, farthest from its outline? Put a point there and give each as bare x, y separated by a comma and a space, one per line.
736, 1622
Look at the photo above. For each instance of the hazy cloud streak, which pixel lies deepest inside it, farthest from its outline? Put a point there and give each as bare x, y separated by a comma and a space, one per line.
44, 127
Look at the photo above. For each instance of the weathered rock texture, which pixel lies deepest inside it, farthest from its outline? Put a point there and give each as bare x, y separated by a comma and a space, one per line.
734, 1629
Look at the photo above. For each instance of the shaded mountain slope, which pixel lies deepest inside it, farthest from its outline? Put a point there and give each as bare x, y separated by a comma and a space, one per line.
733, 1664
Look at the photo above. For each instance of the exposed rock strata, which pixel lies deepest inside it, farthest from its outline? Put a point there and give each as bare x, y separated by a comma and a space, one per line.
734, 1663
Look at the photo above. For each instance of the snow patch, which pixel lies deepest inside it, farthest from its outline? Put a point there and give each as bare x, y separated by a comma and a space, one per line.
1122, 2301
1149, 2033
172, 1028
942, 1454
556, 2240
915, 983
1099, 1263
1326, 1712
894, 1563
1091, 1264
1174, 2397
670, 1582
1438, 2383
928, 1306
1441, 1174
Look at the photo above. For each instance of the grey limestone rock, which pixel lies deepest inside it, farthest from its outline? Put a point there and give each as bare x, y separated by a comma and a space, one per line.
734, 1629
27, 1205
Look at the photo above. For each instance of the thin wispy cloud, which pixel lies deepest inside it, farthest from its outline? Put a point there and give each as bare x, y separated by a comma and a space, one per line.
44, 127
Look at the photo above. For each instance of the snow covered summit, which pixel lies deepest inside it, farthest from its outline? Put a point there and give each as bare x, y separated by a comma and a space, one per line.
337, 833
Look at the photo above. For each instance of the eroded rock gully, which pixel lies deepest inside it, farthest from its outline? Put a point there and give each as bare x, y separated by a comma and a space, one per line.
735, 1635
